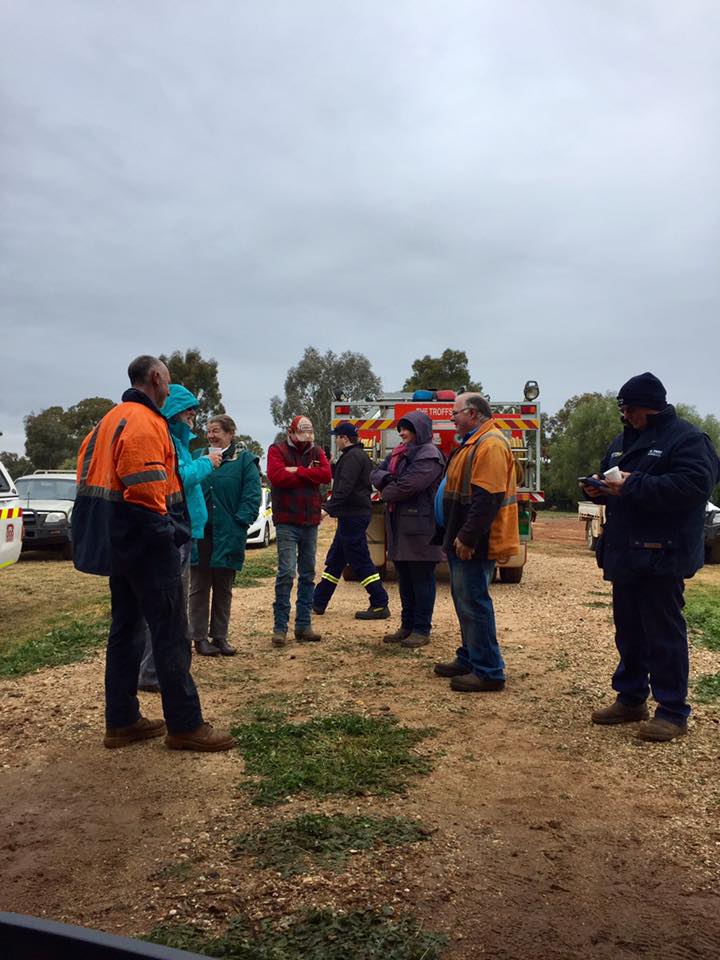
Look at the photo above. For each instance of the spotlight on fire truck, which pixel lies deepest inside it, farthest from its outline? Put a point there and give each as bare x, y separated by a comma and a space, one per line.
531, 390
338, 395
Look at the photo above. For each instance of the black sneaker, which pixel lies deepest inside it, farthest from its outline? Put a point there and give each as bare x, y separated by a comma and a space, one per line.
317, 611
373, 613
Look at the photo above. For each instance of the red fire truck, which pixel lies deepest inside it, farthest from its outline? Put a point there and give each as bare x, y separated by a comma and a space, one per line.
376, 421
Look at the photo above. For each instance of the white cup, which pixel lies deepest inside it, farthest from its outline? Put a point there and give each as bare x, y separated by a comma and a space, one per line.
612, 474
215, 449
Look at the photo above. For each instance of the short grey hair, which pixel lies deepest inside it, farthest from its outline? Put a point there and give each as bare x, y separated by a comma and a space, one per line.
141, 367
479, 404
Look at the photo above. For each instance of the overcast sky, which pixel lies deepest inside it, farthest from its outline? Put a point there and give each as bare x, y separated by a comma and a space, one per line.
533, 182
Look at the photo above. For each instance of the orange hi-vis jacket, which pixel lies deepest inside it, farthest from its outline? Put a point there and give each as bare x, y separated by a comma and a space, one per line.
479, 498
130, 507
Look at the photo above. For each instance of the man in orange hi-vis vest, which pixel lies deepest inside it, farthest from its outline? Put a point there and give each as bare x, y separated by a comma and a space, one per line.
477, 516
130, 523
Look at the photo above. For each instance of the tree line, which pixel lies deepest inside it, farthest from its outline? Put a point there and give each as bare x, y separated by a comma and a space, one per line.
574, 439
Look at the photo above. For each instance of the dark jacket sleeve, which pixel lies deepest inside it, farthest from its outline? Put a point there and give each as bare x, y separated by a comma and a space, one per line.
419, 475
347, 473
380, 474
690, 480
483, 510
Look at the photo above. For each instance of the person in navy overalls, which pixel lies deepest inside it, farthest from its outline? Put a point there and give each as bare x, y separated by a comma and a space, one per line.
651, 543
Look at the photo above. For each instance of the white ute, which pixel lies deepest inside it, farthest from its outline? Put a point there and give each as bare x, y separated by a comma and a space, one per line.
10, 521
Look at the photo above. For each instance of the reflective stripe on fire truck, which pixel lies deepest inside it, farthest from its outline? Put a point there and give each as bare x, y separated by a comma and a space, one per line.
502, 421
9, 513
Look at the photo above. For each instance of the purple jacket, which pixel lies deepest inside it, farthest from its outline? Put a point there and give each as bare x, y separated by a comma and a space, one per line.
410, 521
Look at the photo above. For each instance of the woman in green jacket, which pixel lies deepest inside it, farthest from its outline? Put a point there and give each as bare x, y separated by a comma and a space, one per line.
232, 494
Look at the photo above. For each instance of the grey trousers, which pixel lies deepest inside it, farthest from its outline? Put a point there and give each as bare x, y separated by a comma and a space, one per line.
148, 675
209, 619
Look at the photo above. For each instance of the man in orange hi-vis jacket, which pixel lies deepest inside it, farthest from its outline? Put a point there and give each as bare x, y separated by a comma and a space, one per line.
130, 523
476, 514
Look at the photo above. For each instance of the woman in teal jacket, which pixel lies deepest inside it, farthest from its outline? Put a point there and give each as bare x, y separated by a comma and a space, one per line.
232, 496
179, 410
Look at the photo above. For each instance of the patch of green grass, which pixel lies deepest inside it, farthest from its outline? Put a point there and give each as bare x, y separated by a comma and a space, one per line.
312, 935
707, 688
343, 753
702, 612
256, 569
173, 871
561, 662
599, 603
391, 650
61, 644
311, 839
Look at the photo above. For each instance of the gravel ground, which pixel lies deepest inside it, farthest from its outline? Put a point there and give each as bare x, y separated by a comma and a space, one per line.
551, 838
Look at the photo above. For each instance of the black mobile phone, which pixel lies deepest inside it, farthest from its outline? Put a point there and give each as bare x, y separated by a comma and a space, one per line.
592, 482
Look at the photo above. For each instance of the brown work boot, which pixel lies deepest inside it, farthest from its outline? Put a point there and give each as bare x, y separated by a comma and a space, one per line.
453, 669
619, 713
658, 730
307, 635
142, 729
472, 683
415, 640
204, 738
397, 635
279, 638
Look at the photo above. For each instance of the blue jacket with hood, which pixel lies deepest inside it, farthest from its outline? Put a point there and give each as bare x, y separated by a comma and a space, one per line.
192, 471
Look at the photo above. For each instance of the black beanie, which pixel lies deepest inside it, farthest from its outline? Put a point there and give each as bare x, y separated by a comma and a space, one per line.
644, 390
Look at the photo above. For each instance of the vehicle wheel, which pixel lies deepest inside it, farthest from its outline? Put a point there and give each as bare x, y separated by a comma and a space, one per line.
590, 540
67, 551
511, 574
266, 535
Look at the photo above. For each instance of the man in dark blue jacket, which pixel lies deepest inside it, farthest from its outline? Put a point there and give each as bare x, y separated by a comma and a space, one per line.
350, 503
651, 543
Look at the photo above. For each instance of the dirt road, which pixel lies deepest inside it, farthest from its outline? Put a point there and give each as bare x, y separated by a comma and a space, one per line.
551, 838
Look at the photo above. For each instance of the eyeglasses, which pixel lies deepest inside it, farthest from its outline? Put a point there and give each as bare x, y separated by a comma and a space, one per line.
455, 413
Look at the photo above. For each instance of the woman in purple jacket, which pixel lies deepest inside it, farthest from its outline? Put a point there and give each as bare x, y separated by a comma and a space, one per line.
407, 481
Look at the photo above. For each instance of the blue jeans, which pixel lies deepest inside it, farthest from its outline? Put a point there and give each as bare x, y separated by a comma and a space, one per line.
416, 581
474, 607
296, 548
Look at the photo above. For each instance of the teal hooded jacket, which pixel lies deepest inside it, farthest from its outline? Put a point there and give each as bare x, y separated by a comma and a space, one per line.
192, 471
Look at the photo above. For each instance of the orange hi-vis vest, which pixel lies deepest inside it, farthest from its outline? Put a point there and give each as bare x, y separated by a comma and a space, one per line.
486, 460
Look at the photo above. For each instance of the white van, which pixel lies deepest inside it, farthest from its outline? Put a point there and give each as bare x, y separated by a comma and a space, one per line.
10, 521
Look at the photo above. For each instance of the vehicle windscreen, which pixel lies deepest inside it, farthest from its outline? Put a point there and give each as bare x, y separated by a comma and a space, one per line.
46, 488
4, 482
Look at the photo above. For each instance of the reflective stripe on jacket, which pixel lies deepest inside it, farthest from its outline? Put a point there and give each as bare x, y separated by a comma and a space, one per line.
479, 497
129, 496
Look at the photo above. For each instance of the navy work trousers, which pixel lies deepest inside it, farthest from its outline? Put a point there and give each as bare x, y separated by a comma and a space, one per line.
349, 548
416, 581
132, 599
651, 637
